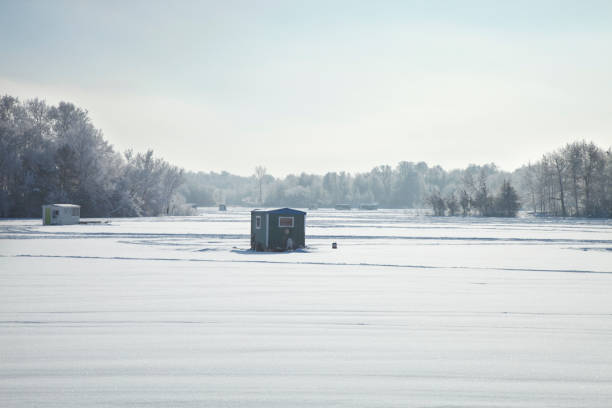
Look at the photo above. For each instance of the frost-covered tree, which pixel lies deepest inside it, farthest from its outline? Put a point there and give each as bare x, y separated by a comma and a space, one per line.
452, 204
570, 181
55, 154
436, 202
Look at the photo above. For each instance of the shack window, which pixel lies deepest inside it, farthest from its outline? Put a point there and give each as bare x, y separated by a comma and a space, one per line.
55, 213
76, 212
285, 222
258, 221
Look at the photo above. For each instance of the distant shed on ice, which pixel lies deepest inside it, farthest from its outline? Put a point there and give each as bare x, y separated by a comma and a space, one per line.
278, 230
369, 206
61, 214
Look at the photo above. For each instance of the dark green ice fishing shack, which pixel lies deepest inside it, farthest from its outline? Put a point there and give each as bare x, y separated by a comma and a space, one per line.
278, 230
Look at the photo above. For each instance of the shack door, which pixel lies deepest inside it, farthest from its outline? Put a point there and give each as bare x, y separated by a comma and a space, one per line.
47, 216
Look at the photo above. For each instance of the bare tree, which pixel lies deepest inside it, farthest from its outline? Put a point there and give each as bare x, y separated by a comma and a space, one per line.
560, 165
572, 153
260, 173
465, 200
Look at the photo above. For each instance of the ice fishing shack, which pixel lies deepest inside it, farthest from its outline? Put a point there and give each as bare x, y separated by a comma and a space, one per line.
278, 230
61, 214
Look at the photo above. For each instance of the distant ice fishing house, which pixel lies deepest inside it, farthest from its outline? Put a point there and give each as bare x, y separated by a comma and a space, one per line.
278, 230
61, 214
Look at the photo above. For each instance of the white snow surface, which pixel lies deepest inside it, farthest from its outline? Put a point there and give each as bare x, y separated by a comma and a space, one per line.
409, 311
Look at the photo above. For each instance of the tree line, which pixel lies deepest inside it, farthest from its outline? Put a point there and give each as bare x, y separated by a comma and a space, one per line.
54, 154
575, 180
406, 185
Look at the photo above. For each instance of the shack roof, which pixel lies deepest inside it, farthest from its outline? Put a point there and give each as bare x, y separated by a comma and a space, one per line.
66, 205
279, 211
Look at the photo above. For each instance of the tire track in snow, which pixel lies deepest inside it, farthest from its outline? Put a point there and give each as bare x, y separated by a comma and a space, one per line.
71, 235
317, 263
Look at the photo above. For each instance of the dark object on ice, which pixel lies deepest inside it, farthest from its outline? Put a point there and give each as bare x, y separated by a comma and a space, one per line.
222, 207
342, 207
334, 245
278, 230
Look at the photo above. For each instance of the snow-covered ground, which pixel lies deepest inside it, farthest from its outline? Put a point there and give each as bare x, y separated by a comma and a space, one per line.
410, 310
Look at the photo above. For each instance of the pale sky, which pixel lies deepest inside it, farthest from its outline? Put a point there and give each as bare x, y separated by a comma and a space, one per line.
320, 86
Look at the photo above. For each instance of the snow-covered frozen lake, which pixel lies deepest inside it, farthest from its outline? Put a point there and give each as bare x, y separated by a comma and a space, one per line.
409, 311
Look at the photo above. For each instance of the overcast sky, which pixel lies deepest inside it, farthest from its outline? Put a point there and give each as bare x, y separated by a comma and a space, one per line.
320, 86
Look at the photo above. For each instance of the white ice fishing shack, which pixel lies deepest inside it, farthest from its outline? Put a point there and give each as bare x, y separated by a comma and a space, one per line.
61, 214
